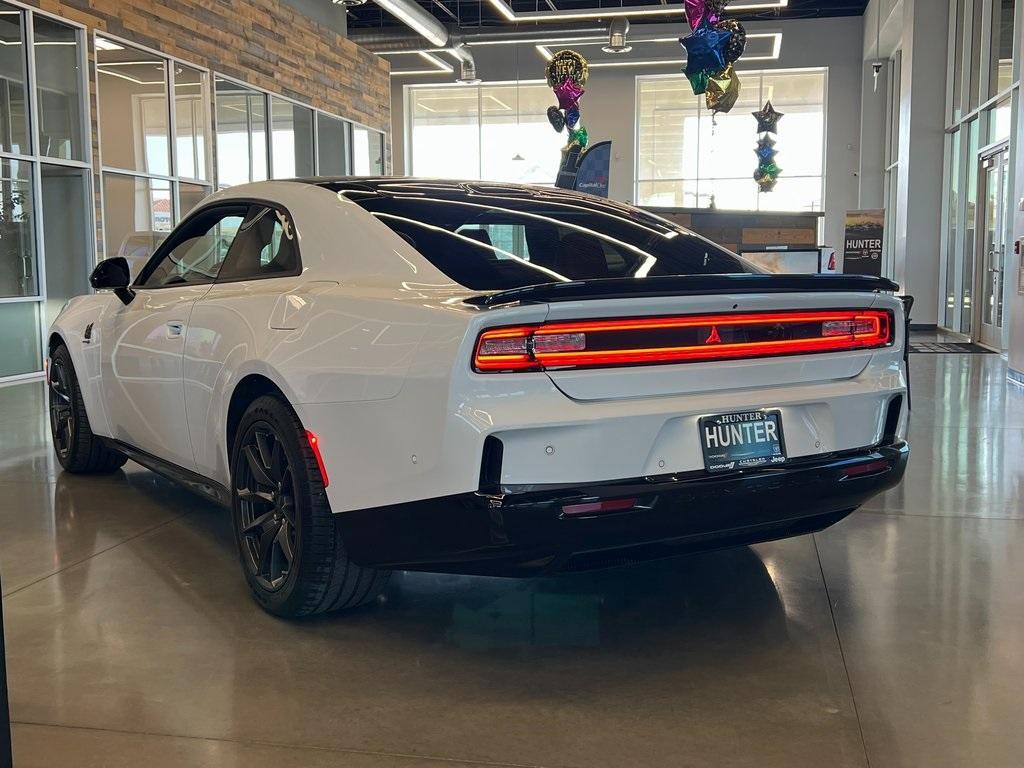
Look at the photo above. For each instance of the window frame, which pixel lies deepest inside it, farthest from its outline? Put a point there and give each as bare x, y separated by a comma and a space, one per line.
294, 272
350, 126
173, 179
35, 160
481, 91
760, 74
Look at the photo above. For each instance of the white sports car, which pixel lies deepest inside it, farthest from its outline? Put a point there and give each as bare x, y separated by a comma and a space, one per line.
476, 378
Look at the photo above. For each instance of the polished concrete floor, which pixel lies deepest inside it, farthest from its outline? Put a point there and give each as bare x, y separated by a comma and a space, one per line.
895, 638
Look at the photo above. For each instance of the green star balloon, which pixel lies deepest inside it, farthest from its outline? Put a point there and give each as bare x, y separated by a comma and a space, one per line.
698, 81
578, 136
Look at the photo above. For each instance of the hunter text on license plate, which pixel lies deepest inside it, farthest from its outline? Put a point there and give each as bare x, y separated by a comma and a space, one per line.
741, 440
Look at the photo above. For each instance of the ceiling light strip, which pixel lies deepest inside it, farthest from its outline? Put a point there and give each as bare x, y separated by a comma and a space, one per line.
508, 14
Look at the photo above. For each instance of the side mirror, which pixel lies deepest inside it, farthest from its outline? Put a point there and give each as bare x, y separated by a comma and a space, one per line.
113, 274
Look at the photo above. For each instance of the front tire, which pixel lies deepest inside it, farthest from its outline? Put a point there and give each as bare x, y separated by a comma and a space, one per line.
288, 541
78, 450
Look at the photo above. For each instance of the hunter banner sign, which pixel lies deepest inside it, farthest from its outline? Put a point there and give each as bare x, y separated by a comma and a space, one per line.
862, 246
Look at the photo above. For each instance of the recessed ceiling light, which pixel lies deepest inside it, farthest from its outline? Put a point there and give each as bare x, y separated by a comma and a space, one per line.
108, 45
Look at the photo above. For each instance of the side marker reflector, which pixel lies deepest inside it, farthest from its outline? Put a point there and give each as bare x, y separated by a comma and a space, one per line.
314, 444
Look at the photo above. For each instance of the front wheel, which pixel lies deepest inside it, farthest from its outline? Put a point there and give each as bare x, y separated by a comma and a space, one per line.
289, 544
78, 450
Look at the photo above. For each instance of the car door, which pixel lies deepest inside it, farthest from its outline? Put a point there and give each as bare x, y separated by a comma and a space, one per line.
141, 358
234, 323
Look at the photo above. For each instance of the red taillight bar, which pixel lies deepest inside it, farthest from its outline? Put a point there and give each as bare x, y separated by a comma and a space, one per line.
565, 344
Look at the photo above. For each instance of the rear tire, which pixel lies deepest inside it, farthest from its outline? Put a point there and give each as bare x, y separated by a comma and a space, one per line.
78, 450
288, 540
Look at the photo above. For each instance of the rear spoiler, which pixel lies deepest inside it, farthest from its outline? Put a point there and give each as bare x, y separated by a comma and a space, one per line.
684, 285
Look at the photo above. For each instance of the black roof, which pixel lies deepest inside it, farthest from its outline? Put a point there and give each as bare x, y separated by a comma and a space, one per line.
483, 191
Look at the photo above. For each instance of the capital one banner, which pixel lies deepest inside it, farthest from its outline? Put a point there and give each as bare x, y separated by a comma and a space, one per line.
592, 173
586, 171
862, 246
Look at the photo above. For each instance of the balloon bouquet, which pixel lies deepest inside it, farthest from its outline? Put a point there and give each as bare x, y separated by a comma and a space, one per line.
566, 75
767, 172
711, 49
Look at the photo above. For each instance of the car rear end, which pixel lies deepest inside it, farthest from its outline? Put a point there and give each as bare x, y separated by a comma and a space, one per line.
620, 419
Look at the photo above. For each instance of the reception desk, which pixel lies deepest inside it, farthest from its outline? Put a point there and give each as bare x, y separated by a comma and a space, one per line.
747, 230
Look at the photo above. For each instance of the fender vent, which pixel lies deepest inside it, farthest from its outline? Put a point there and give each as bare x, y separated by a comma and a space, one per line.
892, 420
490, 466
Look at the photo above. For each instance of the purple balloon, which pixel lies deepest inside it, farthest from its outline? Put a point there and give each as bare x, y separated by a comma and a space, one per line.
568, 94
697, 11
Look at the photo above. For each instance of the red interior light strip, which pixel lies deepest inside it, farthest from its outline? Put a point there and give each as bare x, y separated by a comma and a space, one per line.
587, 344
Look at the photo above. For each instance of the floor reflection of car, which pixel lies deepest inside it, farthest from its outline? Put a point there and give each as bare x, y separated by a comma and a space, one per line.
380, 374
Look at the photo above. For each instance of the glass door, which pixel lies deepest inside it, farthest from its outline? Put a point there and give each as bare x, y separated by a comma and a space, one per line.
995, 174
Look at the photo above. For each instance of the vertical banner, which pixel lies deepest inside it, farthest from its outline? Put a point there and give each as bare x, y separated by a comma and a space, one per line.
567, 173
592, 173
862, 246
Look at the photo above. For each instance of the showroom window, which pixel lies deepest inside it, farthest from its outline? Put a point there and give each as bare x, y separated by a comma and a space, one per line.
367, 151
686, 157
501, 130
303, 141
46, 250
154, 139
983, 70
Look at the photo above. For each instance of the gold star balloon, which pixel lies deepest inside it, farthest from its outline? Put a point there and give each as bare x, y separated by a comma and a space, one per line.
722, 91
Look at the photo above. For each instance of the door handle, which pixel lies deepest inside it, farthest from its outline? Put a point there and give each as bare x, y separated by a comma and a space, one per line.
175, 328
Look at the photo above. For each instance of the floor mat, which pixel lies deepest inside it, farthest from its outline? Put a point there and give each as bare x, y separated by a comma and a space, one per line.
949, 347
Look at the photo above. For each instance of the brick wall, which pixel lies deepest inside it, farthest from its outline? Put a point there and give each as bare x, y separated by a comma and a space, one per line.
265, 43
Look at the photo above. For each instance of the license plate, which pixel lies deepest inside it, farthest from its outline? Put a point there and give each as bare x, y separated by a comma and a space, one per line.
741, 440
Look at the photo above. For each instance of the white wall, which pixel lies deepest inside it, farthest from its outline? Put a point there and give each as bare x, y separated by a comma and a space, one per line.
609, 107
920, 176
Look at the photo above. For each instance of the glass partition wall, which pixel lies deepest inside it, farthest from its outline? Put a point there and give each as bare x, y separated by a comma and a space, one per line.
153, 147
982, 94
46, 247
155, 119
303, 141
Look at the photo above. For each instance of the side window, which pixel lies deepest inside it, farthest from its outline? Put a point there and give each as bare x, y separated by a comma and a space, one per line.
196, 252
265, 247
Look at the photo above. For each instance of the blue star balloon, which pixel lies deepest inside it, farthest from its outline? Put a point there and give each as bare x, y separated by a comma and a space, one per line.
572, 116
705, 49
765, 149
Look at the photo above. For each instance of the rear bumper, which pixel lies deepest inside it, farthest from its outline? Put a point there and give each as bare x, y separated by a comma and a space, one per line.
523, 531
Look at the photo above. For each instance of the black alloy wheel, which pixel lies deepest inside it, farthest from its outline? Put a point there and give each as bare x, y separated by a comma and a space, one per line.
61, 406
265, 489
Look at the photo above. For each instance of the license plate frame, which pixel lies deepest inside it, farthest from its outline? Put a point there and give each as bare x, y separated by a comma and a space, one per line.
751, 452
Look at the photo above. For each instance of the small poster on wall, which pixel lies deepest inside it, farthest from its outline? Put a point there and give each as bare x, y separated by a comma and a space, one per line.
862, 246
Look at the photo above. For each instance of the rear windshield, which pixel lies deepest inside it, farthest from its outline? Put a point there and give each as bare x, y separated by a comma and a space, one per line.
488, 238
